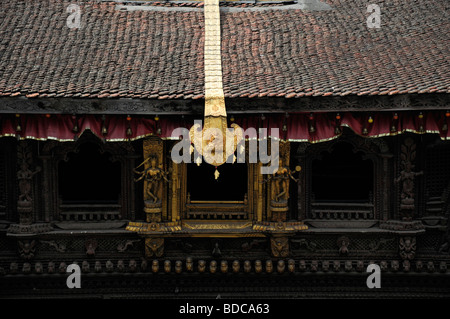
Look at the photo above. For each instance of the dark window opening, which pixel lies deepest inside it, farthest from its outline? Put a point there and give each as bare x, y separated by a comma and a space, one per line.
89, 177
230, 186
4, 181
437, 170
342, 176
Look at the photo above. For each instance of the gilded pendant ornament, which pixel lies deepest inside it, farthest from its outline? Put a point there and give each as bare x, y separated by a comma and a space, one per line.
214, 142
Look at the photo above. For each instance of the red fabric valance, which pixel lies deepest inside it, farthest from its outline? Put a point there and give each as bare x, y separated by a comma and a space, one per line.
300, 127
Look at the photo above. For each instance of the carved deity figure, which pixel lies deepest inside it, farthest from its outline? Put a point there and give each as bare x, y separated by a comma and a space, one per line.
25, 175
280, 182
281, 266
291, 265
98, 266
258, 266
155, 266
85, 266
269, 266
153, 175
213, 266
314, 265
189, 264
236, 266
132, 265
178, 266
27, 249
247, 266
154, 247
224, 266
279, 246
109, 266
407, 247
51, 267
167, 266
201, 266
407, 177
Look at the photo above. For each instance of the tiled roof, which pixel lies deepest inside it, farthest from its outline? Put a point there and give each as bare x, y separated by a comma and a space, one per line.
265, 52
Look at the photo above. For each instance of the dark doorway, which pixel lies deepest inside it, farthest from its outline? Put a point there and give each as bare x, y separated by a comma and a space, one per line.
89, 177
342, 176
230, 186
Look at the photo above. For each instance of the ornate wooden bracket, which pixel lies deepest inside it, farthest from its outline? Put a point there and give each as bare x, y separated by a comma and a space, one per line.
279, 246
407, 247
343, 242
26, 248
154, 247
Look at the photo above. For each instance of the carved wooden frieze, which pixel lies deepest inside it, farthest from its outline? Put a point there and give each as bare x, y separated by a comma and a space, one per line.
266, 105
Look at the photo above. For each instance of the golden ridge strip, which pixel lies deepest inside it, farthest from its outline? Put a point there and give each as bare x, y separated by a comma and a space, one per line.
214, 96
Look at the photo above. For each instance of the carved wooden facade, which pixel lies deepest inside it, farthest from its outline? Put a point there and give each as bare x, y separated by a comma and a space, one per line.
194, 236
87, 176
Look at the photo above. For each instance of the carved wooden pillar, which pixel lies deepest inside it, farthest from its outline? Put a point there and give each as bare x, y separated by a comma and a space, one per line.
27, 169
25, 176
407, 179
50, 181
386, 188
258, 185
128, 202
47, 185
278, 188
301, 184
175, 192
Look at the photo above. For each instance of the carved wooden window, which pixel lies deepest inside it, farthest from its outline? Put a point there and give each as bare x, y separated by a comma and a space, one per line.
340, 175
89, 180
342, 184
344, 180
